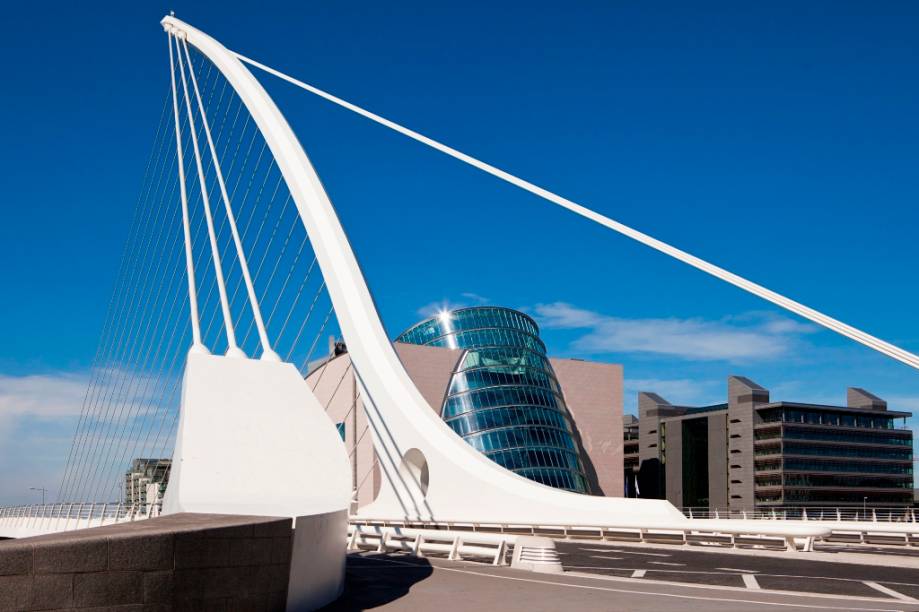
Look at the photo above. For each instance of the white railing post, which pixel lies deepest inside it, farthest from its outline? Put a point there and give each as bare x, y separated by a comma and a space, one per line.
454, 550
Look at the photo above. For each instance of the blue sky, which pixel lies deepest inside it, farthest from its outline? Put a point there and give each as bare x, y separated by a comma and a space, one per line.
778, 140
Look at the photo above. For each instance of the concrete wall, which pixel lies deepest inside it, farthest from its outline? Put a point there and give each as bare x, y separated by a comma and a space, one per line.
334, 385
673, 462
593, 394
177, 562
651, 471
743, 396
718, 461
430, 368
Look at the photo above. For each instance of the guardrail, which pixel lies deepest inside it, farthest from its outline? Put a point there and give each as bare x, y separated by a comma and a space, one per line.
807, 513
38, 519
455, 544
790, 536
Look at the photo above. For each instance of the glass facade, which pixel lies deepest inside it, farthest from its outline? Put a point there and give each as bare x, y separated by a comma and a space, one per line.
504, 399
824, 454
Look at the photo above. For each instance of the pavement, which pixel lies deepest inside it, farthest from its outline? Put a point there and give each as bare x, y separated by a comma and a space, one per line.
833, 571
618, 579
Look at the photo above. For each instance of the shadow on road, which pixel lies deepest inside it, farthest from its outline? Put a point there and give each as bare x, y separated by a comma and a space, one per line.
372, 580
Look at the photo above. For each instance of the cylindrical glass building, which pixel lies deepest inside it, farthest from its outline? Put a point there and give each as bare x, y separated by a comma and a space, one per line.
503, 398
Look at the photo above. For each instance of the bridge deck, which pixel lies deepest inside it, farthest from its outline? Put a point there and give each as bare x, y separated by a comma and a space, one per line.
397, 582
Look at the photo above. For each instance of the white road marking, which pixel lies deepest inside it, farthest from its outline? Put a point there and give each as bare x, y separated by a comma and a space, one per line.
749, 581
605, 557
774, 604
834, 608
890, 592
664, 563
736, 569
638, 574
626, 552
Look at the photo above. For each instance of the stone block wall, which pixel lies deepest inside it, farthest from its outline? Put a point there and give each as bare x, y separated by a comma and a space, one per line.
178, 562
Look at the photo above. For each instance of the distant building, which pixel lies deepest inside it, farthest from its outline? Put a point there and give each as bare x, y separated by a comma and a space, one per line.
146, 481
630, 455
753, 453
484, 371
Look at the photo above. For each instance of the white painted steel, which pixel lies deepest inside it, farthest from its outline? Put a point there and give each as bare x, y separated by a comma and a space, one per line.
457, 544
267, 351
462, 482
792, 536
183, 194
27, 521
254, 440
839, 327
233, 349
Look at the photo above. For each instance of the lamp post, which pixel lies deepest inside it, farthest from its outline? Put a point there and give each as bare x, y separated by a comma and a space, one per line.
43, 491
865, 508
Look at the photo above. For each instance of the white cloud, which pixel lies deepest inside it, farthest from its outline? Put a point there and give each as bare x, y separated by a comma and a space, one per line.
42, 395
39, 414
749, 337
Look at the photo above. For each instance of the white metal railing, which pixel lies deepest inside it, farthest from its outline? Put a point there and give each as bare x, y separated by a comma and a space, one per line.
36, 519
807, 513
790, 536
455, 544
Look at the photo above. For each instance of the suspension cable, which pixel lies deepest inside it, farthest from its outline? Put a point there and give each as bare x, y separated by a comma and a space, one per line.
232, 349
826, 321
189, 263
267, 352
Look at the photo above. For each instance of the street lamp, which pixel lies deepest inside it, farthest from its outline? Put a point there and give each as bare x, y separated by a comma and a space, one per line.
43, 491
865, 508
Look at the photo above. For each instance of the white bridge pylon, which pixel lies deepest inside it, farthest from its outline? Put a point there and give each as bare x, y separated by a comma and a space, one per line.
430, 474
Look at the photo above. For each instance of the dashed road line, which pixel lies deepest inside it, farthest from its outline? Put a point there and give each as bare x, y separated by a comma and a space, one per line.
665, 563
627, 552
638, 574
887, 591
734, 569
605, 557
749, 581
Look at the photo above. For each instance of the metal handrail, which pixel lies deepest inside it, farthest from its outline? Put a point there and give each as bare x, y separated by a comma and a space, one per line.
48, 518
808, 513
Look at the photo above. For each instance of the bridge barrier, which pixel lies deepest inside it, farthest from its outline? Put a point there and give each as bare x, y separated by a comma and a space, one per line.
455, 544
891, 526
791, 536
807, 513
38, 519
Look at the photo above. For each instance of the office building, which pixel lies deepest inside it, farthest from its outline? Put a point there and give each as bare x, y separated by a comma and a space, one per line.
146, 480
751, 452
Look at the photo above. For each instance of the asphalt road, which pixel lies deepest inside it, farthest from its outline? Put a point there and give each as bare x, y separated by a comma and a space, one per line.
794, 572
396, 582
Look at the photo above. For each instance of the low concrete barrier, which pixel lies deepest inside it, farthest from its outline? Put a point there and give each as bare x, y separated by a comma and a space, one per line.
180, 562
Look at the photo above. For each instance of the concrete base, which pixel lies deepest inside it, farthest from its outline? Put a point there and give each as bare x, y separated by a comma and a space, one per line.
254, 440
179, 562
317, 567
536, 554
